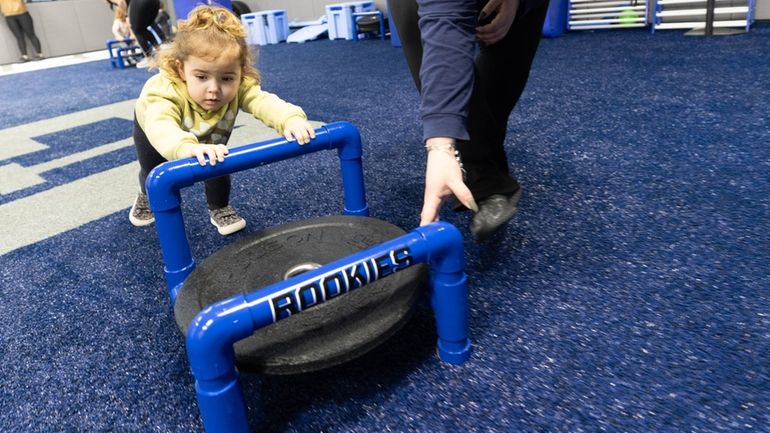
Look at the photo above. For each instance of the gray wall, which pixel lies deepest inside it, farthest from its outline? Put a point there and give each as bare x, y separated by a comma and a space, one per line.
63, 27
762, 11
76, 26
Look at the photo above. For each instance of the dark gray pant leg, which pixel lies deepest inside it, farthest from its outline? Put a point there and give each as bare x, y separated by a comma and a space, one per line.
404, 15
18, 34
28, 27
502, 71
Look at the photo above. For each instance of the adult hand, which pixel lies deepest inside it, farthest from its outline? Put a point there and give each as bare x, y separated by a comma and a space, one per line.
299, 129
443, 177
495, 30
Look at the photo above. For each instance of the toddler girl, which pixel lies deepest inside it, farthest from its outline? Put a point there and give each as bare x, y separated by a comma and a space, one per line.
189, 108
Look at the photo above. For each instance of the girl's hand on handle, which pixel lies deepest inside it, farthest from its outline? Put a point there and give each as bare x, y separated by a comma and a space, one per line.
214, 152
298, 129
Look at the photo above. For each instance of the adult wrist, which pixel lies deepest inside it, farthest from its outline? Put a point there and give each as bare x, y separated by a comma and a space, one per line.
441, 147
444, 146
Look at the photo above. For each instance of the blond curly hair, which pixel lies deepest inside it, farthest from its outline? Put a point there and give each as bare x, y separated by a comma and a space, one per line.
208, 32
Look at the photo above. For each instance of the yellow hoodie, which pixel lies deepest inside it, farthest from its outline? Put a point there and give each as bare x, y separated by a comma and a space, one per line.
11, 8
172, 121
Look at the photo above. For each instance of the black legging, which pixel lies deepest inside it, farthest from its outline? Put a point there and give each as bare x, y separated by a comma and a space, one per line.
501, 72
142, 14
21, 25
217, 189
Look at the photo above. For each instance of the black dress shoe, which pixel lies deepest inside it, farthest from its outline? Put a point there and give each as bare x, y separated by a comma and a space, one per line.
494, 212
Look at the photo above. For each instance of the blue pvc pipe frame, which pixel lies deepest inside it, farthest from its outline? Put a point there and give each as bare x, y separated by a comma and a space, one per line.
166, 180
216, 328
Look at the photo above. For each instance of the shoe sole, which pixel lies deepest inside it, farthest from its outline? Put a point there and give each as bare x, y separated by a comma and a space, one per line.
482, 236
228, 230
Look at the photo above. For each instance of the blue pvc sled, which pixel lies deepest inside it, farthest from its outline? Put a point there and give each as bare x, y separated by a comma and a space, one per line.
216, 328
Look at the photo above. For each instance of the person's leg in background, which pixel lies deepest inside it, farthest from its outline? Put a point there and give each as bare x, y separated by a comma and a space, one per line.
502, 70
18, 34
141, 14
404, 14
159, 37
28, 28
163, 20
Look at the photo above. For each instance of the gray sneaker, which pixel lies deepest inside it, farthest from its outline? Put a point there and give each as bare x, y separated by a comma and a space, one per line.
226, 220
140, 214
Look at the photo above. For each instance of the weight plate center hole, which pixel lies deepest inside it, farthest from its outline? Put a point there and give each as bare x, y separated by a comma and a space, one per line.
299, 269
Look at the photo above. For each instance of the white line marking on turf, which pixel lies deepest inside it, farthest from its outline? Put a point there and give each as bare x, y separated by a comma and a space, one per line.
54, 62
65, 207
17, 140
16, 177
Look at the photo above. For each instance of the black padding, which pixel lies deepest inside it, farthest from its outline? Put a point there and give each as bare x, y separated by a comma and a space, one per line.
331, 333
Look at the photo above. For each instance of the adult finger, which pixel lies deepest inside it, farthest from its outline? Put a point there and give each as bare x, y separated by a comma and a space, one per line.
430, 209
489, 9
492, 37
464, 195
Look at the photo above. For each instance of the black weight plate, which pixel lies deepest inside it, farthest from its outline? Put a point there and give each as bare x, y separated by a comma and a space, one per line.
328, 334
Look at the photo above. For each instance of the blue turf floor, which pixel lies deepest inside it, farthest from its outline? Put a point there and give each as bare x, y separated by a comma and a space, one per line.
630, 294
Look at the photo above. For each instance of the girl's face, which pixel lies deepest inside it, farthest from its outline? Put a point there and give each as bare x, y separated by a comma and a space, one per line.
212, 83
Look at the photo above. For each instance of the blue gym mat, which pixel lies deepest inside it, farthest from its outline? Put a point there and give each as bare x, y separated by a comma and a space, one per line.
630, 293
